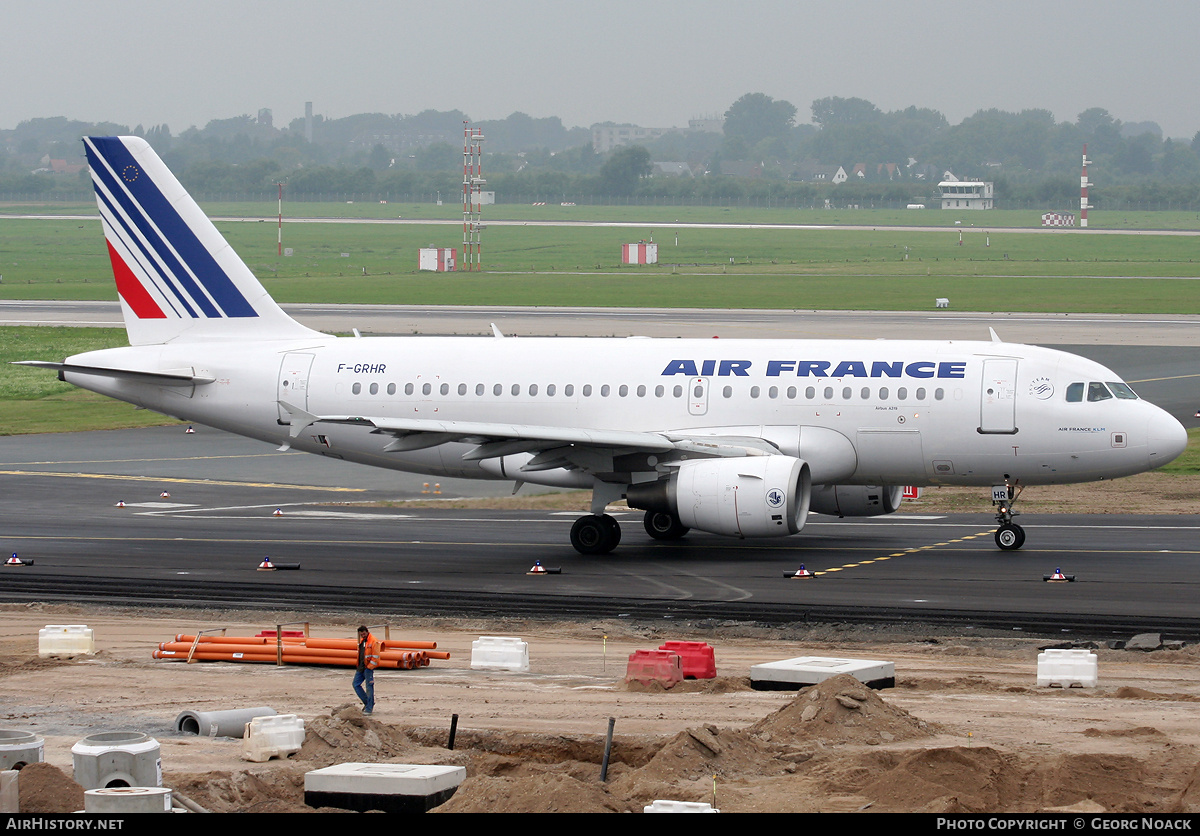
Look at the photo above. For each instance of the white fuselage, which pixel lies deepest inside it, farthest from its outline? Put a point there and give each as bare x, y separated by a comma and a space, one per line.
860, 412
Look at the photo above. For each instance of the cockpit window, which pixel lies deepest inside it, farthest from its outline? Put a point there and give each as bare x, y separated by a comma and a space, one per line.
1122, 390
1098, 392
1075, 393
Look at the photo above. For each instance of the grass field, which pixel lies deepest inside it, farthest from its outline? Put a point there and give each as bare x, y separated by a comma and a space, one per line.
33, 400
884, 269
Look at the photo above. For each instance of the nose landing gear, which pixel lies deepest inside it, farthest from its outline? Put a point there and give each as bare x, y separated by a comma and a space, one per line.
1009, 535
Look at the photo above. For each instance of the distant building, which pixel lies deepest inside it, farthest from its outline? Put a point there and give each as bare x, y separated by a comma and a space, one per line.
966, 194
810, 171
50, 166
707, 124
607, 137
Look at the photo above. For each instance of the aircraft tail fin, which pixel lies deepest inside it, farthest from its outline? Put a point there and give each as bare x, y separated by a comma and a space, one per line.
177, 276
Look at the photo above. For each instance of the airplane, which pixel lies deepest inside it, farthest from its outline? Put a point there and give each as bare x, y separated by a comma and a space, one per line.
742, 438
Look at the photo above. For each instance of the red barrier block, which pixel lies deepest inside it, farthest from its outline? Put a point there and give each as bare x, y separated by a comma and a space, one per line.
648, 666
697, 658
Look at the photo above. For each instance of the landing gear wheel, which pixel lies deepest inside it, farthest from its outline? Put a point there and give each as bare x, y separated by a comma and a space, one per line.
1010, 537
662, 526
595, 534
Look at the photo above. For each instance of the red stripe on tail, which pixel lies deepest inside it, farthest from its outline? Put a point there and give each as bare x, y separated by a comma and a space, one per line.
131, 290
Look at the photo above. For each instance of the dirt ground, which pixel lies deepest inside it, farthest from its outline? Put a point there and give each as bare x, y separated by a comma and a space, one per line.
964, 730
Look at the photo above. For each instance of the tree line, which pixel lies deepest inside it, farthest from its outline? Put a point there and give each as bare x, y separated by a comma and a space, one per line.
1033, 159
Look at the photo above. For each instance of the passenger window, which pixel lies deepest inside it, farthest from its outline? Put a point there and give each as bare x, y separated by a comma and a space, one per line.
374, 388
497, 390
356, 388
791, 393
623, 390
921, 394
1075, 393
1098, 392
753, 392
550, 390
569, 389
533, 389
727, 392
883, 394
462, 388
828, 393
587, 390
426, 389
847, 393
516, 388
902, 393
391, 390
810, 392
408, 388
677, 392
773, 392
604, 390
659, 391
480, 389
641, 391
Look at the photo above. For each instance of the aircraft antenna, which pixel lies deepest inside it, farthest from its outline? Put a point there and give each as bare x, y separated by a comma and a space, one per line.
1083, 187
473, 183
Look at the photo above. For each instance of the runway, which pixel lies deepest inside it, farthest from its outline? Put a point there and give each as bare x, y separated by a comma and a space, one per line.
408, 320
202, 546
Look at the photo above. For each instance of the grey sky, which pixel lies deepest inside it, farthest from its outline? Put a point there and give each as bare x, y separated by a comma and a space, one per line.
651, 63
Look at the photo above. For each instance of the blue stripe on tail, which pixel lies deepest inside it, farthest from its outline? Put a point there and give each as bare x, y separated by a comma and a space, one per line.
145, 204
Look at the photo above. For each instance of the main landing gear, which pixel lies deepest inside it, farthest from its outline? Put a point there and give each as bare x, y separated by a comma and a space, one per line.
600, 533
595, 534
1009, 535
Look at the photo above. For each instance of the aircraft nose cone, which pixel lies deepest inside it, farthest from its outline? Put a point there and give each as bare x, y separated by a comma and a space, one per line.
1166, 438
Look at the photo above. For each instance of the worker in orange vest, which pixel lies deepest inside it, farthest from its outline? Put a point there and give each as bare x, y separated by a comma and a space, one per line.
364, 676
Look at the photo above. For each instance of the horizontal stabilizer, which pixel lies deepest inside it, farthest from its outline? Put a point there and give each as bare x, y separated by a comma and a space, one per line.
162, 377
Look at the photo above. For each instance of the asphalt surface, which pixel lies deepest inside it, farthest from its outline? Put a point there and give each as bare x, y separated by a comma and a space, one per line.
203, 543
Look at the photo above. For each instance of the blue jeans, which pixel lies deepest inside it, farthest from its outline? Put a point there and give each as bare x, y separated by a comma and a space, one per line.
367, 695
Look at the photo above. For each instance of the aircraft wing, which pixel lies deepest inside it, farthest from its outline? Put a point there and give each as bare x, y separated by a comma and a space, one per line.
554, 446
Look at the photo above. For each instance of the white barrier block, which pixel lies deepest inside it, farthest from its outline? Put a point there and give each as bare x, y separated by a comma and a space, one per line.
502, 652
390, 787
1067, 667
65, 640
803, 671
272, 737
661, 806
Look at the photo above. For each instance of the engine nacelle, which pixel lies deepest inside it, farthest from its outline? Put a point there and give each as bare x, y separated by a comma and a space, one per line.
754, 496
856, 500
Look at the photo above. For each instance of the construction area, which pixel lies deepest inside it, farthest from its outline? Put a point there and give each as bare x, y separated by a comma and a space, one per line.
965, 729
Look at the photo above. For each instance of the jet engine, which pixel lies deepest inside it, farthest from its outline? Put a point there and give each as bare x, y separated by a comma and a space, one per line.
752, 496
856, 500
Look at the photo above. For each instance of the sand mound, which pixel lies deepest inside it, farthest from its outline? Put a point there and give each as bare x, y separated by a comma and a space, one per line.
277, 787
706, 751
533, 794
346, 735
841, 710
949, 780
44, 788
